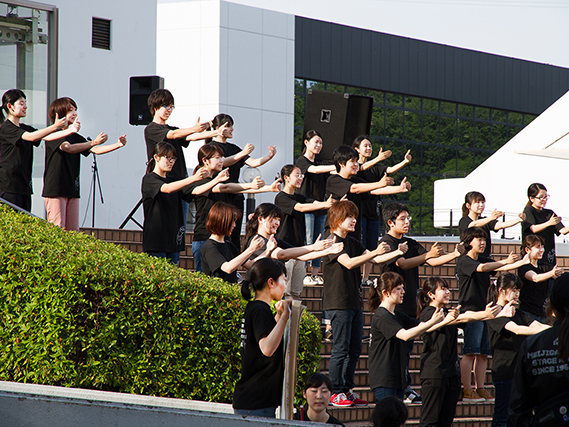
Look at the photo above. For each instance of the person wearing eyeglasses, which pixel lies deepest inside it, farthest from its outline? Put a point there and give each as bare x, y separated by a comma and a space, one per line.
161, 105
542, 222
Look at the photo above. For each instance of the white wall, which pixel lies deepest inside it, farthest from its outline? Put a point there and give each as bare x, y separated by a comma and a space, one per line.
237, 60
98, 80
506, 175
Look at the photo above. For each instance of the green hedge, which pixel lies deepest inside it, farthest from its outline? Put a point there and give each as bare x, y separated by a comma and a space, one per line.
78, 312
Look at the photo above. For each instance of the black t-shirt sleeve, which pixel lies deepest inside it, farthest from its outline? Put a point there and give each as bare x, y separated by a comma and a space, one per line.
286, 202
466, 265
337, 186
529, 221
151, 185
389, 326
303, 164
215, 258
262, 323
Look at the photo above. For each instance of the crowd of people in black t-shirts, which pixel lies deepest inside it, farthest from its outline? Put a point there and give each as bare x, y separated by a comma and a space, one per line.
329, 215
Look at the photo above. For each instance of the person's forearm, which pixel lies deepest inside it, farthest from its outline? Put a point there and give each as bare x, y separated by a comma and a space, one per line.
443, 259
103, 149
39, 134
271, 342
397, 167
384, 258
59, 134
255, 163
408, 263
365, 187
230, 266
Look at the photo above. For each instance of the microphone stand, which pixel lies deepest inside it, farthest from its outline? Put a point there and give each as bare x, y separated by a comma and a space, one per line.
95, 182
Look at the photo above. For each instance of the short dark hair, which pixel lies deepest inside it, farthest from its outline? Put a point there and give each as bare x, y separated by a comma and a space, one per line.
316, 380
470, 234
339, 211
60, 107
221, 218
342, 154
392, 211
222, 119
389, 412
159, 98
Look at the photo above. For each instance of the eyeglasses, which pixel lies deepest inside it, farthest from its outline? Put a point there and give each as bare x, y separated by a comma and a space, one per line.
546, 197
404, 219
168, 107
301, 176
170, 158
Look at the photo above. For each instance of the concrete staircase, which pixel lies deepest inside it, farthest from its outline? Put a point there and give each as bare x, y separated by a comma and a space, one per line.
467, 414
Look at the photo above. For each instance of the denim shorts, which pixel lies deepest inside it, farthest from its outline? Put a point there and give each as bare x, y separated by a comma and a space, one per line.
476, 339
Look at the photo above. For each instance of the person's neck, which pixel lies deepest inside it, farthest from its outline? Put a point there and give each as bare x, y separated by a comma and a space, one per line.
317, 417
263, 233
345, 173
472, 254
221, 139
437, 304
395, 234
288, 188
533, 261
159, 172
501, 301
362, 159
388, 305
264, 295
340, 232
14, 119
159, 120
217, 237
537, 207
473, 216
309, 155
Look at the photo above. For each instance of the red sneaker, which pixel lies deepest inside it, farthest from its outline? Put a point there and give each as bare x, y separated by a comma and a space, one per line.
355, 398
340, 399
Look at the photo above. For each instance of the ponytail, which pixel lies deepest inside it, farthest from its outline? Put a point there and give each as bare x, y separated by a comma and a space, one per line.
386, 282
429, 285
264, 210
161, 149
504, 282
259, 274
533, 191
471, 197
9, 97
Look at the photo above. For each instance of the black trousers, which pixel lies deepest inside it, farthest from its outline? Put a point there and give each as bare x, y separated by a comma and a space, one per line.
440, 396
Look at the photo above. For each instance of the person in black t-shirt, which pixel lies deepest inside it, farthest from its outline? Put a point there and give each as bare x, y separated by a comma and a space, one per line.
472, 209
541, 221
507, 335
317, 392
473, 275
346, 183
210, 159
542, 369
16, 149
390, 329
161, 105
63, 150
343, 301
219, 256
440, 373
292, 229
535, 278
258, 392
164, 230
265, 223
235, 159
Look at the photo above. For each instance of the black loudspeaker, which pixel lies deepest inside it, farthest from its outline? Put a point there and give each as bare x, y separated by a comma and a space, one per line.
339, 117
140, 88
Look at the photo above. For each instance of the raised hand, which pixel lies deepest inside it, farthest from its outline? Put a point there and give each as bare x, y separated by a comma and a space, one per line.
496, 214
554, 220
200, 127
60, 123
75, 126
407, 158
248, 149
202, 173
404, 186
256, 243
122, 140
403, 247
512, 257
100, 139
386, 180
436, 250
382, 155
276, 186
257, 183
272, 151
382, 248
223, 175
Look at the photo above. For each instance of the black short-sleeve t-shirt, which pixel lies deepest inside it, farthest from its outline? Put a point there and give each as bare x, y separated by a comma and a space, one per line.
439, 358
463, 226
16, 158
533, 294
292, 229
302, 415
204, 202
472, 285
164, 229
155, 133
230, 149
261, 380
387, 353
535, 217
411, 276
505, 344
314, 184
342, 286
370, 204
214, 254
61, 175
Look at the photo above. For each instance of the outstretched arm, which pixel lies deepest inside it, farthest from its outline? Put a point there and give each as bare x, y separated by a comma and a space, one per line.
254, 163
42, 133
406, 160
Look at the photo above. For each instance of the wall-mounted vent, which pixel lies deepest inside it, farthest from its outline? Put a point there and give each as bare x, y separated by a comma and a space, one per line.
101, 37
